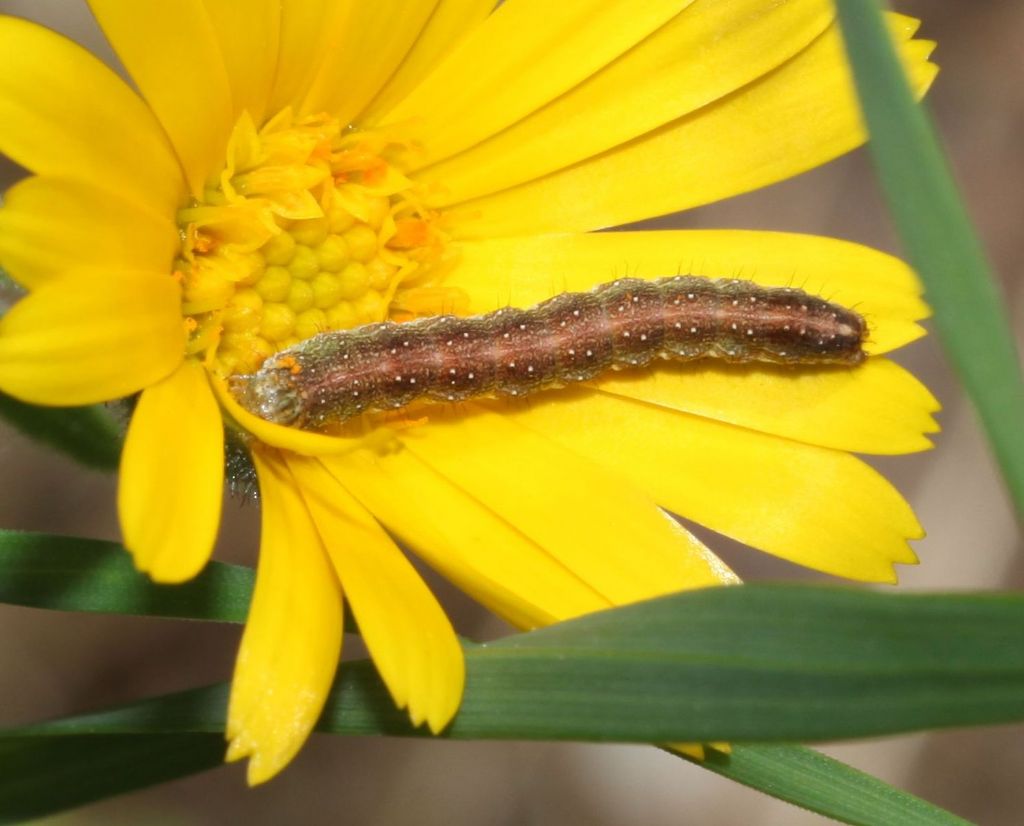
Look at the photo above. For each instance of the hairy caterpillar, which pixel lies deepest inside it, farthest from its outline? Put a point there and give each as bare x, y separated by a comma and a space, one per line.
572, 337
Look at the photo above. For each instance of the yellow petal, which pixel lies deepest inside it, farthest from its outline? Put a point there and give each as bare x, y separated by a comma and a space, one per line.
820, 508
56, 98
172, 476
468, 543
407, 633
523, 271
305, 37
450, 22
793, 119
247, 34
170, 49
877, 407
366, 47
703, 54
522, 56
292, 639
91, 336
303, 442
594, 522
48, 225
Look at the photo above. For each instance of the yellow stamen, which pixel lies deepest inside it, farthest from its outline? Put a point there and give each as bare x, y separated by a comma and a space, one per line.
309, 227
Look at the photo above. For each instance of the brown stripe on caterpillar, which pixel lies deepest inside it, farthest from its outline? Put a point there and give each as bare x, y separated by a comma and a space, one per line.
572, 337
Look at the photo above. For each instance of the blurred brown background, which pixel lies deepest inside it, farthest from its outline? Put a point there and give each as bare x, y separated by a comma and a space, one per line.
54, 664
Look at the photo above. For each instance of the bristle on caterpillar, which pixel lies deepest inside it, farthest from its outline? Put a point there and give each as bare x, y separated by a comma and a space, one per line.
570, 338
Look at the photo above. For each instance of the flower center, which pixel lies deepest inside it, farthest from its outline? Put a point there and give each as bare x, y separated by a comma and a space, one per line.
311, 226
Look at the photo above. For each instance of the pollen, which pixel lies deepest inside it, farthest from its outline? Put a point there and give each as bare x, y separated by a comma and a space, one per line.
310, 226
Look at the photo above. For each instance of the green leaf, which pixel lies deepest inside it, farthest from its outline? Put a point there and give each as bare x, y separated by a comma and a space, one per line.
87, 434
73, 574
749, 663
44, 775
814, 781
970, 313
756, 663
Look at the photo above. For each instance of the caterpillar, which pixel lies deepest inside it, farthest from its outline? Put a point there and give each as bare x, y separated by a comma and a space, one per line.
569, 338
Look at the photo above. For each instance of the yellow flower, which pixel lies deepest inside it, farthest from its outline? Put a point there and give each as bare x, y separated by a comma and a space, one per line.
308, 165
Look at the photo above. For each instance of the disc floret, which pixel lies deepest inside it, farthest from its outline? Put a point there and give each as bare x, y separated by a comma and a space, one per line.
310, 226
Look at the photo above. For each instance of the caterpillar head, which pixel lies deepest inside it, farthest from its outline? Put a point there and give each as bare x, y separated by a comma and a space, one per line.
270, 393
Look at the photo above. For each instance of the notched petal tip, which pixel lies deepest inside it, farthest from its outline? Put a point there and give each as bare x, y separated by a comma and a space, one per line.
439, 718
236, 750
262, 768
279, 687
405, 630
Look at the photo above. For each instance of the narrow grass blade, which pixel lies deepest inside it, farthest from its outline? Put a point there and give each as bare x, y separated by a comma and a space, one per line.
750, 664
44, 775
72, 574
969, 311
743, 664
814, 781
